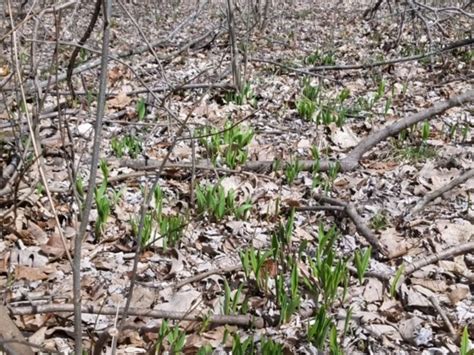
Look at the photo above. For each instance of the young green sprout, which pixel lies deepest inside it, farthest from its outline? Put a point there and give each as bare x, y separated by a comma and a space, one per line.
361, 261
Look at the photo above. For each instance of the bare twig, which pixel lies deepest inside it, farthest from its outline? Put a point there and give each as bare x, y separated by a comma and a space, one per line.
437, 193
445, 318
82, 41
447, 48
205, 274
146, 201
445, 254
233, 47
35, 143
92, 180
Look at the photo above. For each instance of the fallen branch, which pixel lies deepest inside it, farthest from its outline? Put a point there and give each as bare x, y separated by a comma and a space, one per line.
205, 274
351, 211
445, 318
16, 343
285, 67
349, 163
239, 320
445, 254
310, 70
457, 44
437, 193
352, 159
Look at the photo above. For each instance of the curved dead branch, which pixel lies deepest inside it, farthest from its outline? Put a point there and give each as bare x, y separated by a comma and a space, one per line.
82, 41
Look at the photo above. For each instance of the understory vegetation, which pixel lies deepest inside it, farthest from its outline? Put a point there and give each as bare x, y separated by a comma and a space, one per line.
244, 177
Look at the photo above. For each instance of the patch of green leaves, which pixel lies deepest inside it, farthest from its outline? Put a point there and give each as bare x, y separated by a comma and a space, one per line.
323, 180
396, 280
128, 144
330, 271
379, 221
205, 350
467, 56
288, 299
412, 144
281, 241
417, 153
170, 227
321, 58
228, 146
232, 303
306, 108
292, 169
459, 131
140, 109
214, 201
80, 187
246, 96
365, 105
148, 231
361, 262
240, 347
170, 338
313, 106
319, 328
105, 198
465, 348
253, 262
270, 347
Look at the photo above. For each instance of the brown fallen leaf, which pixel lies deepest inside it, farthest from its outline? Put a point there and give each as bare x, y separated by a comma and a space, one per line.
54, 247
433, 285
120, 101
29, 273
458, 293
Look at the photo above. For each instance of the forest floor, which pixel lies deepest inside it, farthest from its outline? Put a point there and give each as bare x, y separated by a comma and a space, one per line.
284, 217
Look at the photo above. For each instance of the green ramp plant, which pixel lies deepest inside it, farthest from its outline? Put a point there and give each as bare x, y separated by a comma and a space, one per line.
314, 106
104, 198
171, 338
217, 203
128, 144
329, 274
361, 262
243, 97
253, 264
227, 146
170, 227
